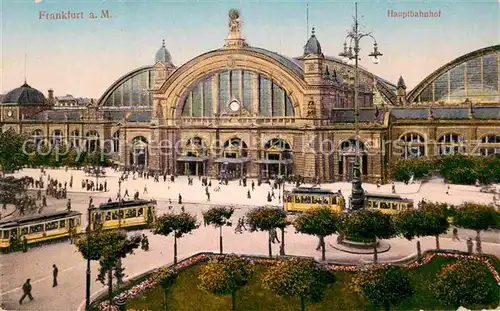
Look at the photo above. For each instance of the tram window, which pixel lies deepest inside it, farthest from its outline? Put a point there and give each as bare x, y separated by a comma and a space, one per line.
72, 223
108, 216
62, 224
13, 233
130, 213
36, 228
114, 216
5, 234
140, 212
334, 200
24, 231
51, 225
77, 221
383, 205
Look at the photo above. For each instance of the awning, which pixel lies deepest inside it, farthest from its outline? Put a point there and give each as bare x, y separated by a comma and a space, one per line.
270, 161
191, 159
231, 160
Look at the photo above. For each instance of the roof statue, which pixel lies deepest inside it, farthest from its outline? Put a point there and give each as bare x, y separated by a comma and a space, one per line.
235, 39
401, 83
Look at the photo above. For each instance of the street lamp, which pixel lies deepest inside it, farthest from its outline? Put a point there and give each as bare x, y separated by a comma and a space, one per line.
355, 36
87, 288
119, 189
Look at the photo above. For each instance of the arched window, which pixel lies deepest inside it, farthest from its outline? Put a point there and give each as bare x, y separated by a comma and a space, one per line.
451, 143
37, 136
92, 141
270, 98
57, 139
490, 145
235, 148
195, 146
116, 142
413, 145
75, 139
279, 147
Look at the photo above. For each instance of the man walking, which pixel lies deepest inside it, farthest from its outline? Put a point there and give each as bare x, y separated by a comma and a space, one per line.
26, 291
55, 272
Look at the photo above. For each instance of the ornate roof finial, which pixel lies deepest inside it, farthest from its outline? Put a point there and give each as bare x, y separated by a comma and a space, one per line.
235, 39
312, 32
163, 43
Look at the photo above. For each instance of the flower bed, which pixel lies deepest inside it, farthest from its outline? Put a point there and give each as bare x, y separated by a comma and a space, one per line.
203, 257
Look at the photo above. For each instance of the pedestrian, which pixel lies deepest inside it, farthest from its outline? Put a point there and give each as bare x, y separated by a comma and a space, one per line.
183, 209
180, 199
25, 244
249, 196
68, 205
455, 235
393, 188
145, 190
26, 291
55, 272
448, 189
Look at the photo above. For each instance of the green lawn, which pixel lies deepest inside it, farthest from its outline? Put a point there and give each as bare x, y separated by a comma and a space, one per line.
186, 296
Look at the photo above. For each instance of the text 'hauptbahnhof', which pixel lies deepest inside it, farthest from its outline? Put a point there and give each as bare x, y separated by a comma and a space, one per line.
246, 111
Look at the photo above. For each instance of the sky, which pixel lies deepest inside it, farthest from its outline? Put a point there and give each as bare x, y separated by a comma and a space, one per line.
83, 57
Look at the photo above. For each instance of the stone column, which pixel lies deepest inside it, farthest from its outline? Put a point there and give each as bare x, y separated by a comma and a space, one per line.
255, 94
215, 94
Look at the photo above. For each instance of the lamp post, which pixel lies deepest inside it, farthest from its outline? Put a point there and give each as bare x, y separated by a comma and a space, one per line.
87, 288
119, 189
355, 36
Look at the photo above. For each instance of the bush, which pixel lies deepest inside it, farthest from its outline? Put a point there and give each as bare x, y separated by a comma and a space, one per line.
383, 285
418, 167
463, 284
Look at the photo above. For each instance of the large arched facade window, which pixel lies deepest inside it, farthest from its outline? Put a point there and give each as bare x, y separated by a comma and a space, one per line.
116, 142
475, 79
75, 139
413, 145
347, 158
269, 99
92, 142
194, 155
276, 159
490, 145
451, 143
57, 139
139, 152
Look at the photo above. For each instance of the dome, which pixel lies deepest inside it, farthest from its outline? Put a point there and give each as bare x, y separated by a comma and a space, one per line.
24, 95
312, 45
163, 55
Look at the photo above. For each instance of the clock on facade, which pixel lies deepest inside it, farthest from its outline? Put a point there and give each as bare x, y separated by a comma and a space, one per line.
9, 113
234, 106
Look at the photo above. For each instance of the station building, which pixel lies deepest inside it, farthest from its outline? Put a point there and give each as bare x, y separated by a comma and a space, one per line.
246, 111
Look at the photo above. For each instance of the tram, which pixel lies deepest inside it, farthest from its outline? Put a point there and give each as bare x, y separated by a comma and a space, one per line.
125, 214
388, 203
39, 228
302, 199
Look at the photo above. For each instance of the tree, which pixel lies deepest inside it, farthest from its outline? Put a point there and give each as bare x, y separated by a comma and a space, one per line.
464, 283
305, 279
384, 285
166, 278
411, 224
226, 276
11, 189
97, 159
370, 224
13, 151
321, 222
267, 219
178, 224
476, 217
108, 247
436, 219
218, 216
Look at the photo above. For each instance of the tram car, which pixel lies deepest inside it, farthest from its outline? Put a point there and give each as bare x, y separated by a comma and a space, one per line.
388, 203
302, 199
133, 214
39, 228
